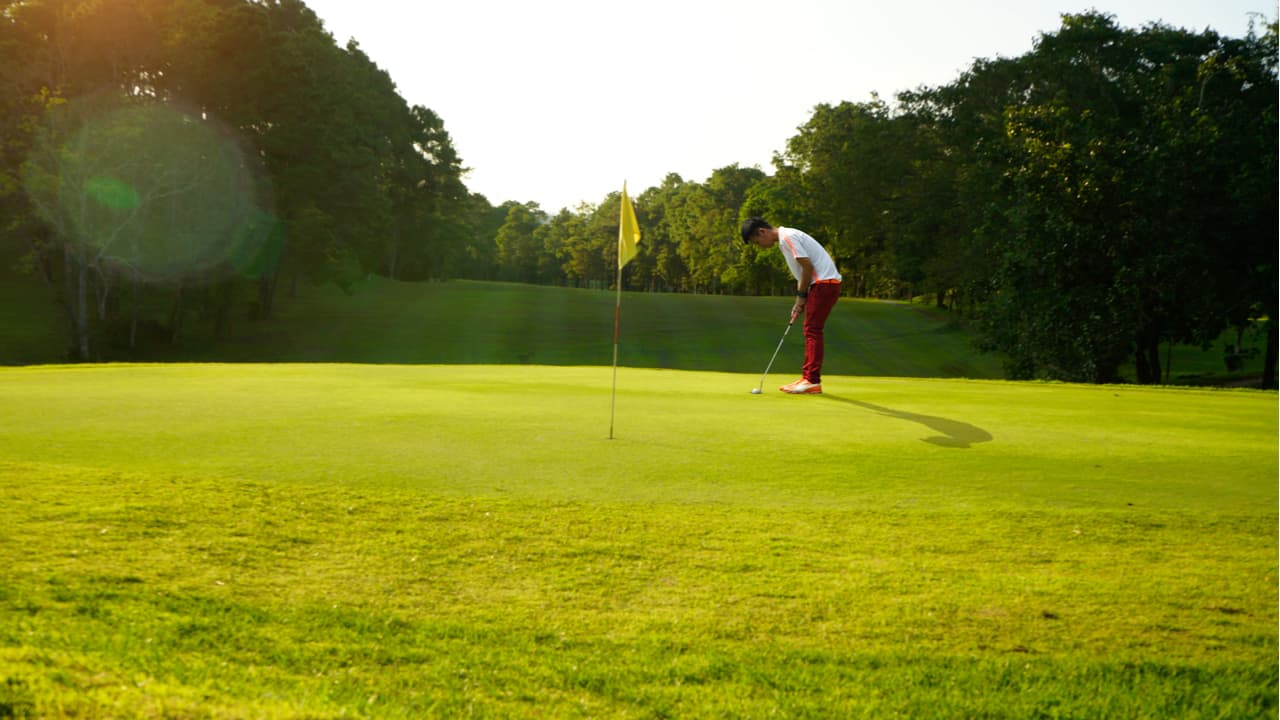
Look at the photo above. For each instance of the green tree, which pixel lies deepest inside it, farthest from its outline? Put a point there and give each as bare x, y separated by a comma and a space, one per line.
423, 180
567, 253
354, 180
658, 262
1106, 206
137, 191
518, 251
692, 221
701, 219
850, 174
481, 223
781, 199
1229, 128
730, 187
595, 247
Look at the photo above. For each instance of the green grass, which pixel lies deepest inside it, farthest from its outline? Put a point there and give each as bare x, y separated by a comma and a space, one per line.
313, 541
464, 322
32, 330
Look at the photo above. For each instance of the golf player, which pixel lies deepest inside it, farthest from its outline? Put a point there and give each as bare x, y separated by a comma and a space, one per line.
817, 290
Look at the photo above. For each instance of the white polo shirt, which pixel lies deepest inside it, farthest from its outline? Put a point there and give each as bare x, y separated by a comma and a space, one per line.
797, 244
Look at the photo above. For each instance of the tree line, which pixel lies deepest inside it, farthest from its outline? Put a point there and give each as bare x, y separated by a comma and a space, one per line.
1107, 193
171, 162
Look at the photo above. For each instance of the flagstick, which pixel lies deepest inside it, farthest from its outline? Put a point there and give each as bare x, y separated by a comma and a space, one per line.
628, 236
617, 320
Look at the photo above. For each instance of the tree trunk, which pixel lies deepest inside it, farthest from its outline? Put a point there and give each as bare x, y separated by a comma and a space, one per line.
1168, 360
393, 254
68, 299
222, 312
1148, 356
1107, 373
104, 296
133, 320
175, 317
82, 310
43, 260
267, 295
1269, 364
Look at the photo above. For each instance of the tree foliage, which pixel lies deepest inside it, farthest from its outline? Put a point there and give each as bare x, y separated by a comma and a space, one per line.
1115, 222
346, 178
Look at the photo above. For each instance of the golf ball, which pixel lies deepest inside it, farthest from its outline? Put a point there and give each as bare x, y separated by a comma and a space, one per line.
755, 391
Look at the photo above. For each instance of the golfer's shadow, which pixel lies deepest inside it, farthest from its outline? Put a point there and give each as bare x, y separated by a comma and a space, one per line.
954, 434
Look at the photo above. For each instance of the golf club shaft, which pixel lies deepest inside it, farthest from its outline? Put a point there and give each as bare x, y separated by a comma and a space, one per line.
775, 353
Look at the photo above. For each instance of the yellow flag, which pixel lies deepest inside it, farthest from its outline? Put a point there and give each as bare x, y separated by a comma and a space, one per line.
628, 231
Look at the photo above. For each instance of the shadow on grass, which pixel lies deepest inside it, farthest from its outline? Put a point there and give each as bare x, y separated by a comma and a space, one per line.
954, 434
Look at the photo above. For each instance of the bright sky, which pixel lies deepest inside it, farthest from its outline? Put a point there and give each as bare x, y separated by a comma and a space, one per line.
560, 101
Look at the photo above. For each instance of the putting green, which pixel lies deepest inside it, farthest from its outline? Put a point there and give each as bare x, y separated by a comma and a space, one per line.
679, 436
441, 541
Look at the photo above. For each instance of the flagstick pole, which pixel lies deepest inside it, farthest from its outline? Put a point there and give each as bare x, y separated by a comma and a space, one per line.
617, 320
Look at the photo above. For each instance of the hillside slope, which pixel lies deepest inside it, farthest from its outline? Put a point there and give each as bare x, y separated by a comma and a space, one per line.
500, 323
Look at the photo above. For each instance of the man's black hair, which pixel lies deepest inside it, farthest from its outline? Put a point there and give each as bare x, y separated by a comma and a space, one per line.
751, 226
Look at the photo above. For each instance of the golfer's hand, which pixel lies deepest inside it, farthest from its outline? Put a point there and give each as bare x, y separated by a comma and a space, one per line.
798, 309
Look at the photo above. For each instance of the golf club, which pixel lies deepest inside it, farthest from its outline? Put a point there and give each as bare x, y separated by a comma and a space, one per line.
757, 390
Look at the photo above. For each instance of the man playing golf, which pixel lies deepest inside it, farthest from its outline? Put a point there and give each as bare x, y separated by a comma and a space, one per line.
817, 290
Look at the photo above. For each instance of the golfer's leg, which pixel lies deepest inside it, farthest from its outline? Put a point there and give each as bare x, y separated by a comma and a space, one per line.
821, 299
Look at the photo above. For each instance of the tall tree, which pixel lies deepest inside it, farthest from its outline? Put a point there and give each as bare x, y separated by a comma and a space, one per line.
658, 262
518, 251
479, 250
851, 171
353, 179
1104, 213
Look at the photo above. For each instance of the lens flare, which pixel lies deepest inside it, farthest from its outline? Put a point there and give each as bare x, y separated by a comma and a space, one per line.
112, 193
166, 194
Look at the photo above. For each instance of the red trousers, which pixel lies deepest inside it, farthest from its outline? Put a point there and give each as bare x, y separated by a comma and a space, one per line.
822, 297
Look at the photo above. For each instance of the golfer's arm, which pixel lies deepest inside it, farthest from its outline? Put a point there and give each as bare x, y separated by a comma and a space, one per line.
806, 274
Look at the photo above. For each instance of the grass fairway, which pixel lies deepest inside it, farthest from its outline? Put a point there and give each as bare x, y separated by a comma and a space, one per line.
464, 322
315, 541
477, 323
